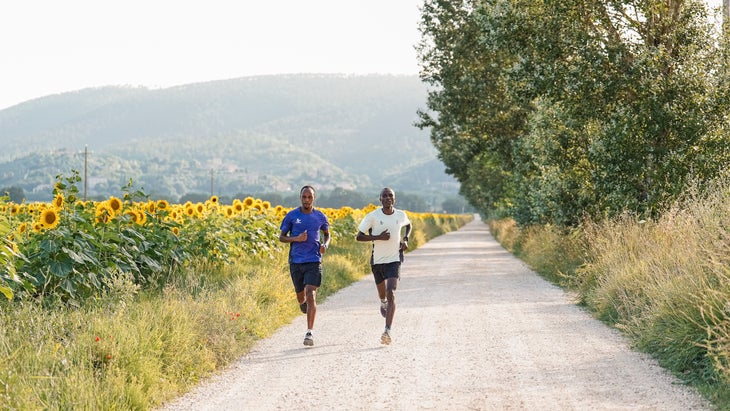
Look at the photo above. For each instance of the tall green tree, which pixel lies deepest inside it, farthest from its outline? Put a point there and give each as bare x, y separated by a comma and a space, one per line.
619, 102
472, 115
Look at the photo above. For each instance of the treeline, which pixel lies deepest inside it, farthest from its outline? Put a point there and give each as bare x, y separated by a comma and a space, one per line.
229, 136
336, 198
549, 112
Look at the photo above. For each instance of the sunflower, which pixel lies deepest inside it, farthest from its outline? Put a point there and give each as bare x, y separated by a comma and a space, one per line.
248, 202
266, 204
115, 204
23, 227
133, 215
37, 227
199, 208
175, 230
141, 217
238, 206
162, 205
214, 199
14, 209
228, 211
190, 211
49, 218
58, 201
103, 212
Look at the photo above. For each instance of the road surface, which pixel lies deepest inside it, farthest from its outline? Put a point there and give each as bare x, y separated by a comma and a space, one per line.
474, 329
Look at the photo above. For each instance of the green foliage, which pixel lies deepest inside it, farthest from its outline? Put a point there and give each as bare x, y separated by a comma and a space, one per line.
134, 348
665, 282
550, 111
7, 254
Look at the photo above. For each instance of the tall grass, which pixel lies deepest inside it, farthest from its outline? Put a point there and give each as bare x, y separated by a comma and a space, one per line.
665, 283
133, 348
553, 252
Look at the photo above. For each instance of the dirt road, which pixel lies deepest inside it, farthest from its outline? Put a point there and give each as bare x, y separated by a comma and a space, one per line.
475, 329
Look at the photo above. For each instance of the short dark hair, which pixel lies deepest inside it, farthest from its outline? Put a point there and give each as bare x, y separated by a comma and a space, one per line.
308, 187
387, 188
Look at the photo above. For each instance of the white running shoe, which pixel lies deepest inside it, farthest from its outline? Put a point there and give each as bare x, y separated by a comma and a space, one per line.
308, 341
385, 338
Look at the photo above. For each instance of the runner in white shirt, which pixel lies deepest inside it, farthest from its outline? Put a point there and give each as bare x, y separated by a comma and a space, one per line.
383, 228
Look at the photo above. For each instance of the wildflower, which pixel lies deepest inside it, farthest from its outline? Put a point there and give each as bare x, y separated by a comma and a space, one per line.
49, 218
58, 201
163, 205
97, 338
103, 212
115, 204
133, 215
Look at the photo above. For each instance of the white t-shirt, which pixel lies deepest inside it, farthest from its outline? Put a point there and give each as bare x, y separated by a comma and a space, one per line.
385, 251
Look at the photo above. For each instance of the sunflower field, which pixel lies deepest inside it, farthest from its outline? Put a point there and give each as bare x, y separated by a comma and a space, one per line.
69, 249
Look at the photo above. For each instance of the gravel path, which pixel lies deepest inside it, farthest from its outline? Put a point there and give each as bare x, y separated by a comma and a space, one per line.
475, 329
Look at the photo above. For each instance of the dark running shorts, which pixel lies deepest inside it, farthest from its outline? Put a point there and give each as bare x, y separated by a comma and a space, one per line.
305, 274
383, 271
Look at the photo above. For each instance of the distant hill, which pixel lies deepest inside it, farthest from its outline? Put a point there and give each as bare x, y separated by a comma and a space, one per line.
245, 135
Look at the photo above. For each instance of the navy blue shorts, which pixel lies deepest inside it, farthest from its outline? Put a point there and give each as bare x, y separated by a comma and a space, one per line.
305, 274
387, 270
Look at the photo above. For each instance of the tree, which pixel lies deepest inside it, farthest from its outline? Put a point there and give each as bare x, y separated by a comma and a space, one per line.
16, 194
551, 110
456, 205
194, 198
340, 197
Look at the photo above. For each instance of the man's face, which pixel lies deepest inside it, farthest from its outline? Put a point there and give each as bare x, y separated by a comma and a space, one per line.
387, 198
307, 198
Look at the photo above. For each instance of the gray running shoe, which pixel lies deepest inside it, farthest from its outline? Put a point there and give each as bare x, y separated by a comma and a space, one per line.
303, 307
383, 308
385, 338
308, 341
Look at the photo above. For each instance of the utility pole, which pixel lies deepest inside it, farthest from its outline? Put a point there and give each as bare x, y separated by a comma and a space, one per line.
86, 168
211, 182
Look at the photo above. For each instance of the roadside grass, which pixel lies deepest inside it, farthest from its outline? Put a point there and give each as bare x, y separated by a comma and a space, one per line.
664, 283
134, 349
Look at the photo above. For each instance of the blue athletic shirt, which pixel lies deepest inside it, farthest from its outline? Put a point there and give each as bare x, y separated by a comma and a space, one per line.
294, 223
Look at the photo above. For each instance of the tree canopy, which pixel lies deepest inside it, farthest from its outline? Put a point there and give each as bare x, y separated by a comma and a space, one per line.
550, 111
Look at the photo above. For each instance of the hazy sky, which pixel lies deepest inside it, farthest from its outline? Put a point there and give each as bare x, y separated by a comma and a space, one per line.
52, 46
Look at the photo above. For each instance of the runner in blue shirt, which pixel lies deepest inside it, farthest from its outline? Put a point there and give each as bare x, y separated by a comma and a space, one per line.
300, 228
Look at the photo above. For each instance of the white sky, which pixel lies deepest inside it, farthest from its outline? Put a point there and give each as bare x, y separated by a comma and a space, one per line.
53, 46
